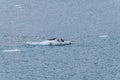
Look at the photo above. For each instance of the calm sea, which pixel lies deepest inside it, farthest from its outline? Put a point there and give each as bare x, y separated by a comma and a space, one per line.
92, 25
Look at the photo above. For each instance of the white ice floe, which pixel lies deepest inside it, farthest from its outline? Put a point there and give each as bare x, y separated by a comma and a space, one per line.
12, 50
103, 36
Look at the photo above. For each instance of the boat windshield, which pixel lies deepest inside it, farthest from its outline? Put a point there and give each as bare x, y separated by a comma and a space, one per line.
51, 39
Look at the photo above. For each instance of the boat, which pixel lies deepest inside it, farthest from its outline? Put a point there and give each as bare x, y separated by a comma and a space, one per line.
50, 43
56, 43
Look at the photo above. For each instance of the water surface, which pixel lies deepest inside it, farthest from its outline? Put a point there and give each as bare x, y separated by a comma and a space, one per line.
92, 26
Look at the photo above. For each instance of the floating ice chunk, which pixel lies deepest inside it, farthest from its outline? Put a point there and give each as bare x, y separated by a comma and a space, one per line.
103, 36
12, 50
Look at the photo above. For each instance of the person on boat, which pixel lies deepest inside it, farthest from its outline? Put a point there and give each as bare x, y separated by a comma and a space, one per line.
62, 40
58, 40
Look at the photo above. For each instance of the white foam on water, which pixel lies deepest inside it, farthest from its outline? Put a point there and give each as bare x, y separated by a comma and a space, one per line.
103, 36
12, 50
19, 6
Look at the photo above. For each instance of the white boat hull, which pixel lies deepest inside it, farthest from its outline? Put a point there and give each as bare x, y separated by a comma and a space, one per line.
50, 43
60, 43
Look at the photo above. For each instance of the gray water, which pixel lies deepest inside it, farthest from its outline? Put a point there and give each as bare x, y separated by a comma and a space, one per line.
92, 25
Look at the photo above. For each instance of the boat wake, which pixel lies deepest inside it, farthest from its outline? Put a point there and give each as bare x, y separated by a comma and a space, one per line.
12, 50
